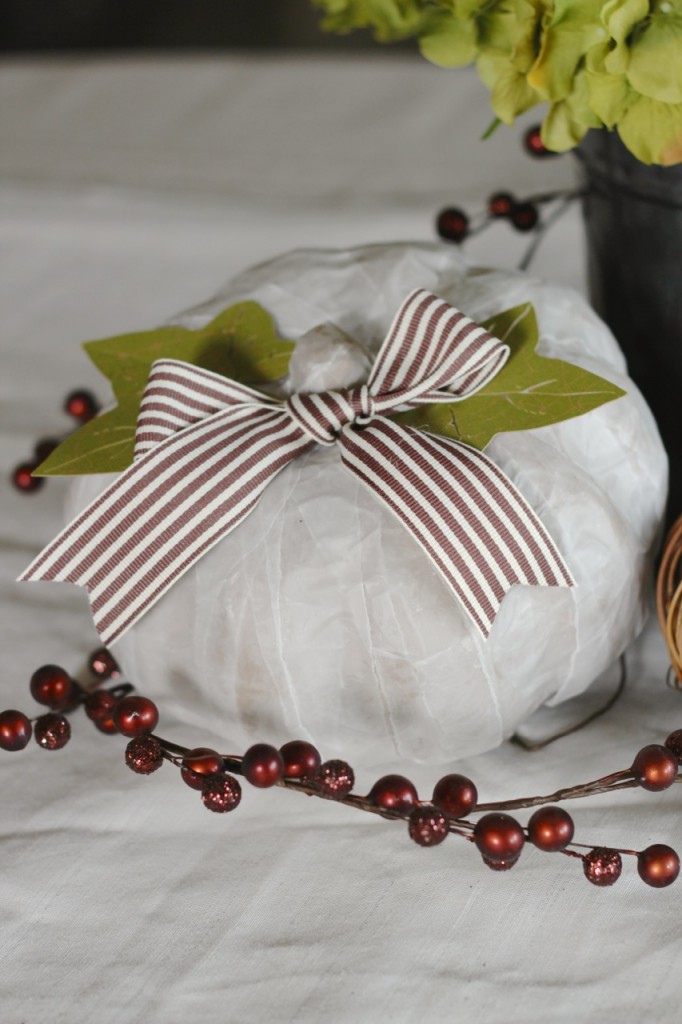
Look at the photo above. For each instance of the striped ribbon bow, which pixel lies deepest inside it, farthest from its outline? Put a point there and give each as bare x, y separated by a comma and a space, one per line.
206, 447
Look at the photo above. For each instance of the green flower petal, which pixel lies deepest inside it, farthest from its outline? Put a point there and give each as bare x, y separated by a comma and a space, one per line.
527, 48
655, 67
620, 18
450, 42
504, 25
573, 29
510, 93
653, 131
608, 96
568, 120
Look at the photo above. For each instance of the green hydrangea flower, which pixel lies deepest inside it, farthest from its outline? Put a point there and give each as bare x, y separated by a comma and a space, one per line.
635, 79
614, 64
390, 19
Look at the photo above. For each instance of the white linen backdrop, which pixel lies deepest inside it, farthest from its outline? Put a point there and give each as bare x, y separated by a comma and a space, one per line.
132, 189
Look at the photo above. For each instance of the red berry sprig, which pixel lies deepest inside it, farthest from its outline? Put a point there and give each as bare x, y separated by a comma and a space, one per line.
499, 837
81, 405
456, 225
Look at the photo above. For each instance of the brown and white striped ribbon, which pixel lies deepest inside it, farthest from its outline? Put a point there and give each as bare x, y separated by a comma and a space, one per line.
206, 447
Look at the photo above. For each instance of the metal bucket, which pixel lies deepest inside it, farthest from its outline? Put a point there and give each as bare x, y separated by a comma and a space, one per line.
633, 222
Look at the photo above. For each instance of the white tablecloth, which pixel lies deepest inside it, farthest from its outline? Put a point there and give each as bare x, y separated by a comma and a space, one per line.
128, 191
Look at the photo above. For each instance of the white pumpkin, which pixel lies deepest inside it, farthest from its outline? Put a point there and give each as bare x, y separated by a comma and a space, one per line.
320, 617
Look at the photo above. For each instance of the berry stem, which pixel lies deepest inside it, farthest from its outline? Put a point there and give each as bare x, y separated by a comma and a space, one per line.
617, 780
542, 230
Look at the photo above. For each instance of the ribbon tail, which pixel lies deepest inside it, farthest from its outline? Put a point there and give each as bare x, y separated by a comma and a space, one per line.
469, 518
166, 511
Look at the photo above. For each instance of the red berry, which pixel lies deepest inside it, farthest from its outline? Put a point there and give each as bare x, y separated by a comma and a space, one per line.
23, 479
221, 793
452, 224
658, 865
456, 795
501, 204
44, 448
99, 705
427, 825
301, 759
135, 716
394, 793
551, 829
334, 779
15, 730
82, 405
499, 837
602, 866
76, 697
500, 865
106, 725
103, 665
533, 143
51, 685
674, 743
524, 216
263, 765
655, 767
199, 763
52, 731
144, 755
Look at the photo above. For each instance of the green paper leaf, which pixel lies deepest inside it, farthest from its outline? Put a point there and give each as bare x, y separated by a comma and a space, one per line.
529, 391
241, 343
103, 445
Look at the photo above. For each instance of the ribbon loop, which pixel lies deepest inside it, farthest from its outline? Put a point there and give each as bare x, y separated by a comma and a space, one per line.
323, 415
206, 448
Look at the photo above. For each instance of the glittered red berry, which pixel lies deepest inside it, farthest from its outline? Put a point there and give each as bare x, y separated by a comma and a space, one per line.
51, 685
674, 743
221, 793
500, 865
99, 705
262, 765
499, 837
52, 731
198, 764
524, 216
655, 767
135, 716
658, 865
301, 759
103, 665
427, 825
456, 795
15, 730
82, 405
334, 779
23, 479
144, 755
44, 448
532, 141
393, 793
501, 204
551, 829
602, 866
452, 224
